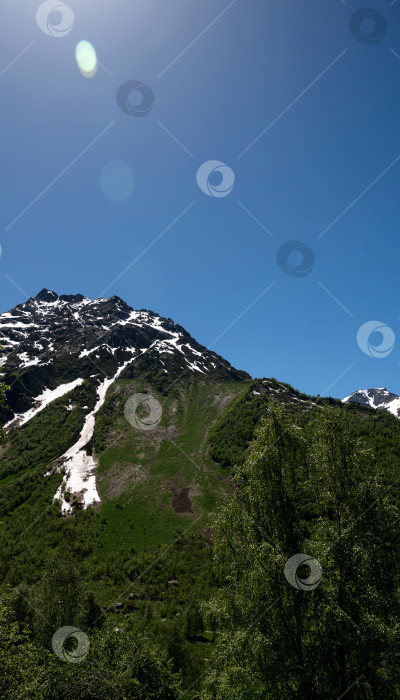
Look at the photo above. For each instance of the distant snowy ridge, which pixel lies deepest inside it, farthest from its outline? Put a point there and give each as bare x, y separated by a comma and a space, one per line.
376, 398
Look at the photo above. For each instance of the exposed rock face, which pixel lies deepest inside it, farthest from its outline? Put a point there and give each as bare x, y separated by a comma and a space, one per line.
52, 340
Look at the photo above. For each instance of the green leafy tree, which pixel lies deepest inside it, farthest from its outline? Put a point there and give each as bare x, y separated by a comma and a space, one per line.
24, 666
357, 540
194, 625
59, 598
119, 664
275, 639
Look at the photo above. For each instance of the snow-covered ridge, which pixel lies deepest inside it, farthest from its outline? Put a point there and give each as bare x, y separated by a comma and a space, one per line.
376, 398
49, 338
46, 325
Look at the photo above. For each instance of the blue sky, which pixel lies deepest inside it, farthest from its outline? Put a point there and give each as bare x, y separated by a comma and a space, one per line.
222, 73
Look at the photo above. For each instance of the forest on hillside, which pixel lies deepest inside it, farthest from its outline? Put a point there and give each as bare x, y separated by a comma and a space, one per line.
290, 591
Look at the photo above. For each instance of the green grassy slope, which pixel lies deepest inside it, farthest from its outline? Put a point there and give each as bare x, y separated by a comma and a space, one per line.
155, 483
379, 431
151, 483
157, 491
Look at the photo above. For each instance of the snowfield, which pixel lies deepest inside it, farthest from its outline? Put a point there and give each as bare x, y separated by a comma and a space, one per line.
80, 467
41, 402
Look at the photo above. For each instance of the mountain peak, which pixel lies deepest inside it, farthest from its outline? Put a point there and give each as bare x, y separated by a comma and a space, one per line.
71, 298
54, 340
46, 295
381, 398
68, 345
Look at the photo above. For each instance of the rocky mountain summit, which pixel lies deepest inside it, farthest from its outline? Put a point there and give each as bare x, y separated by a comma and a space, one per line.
376, 398
64, 357
52, 340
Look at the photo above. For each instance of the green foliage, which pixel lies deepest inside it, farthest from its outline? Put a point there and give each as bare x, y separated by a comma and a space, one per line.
288, 642
194, 623
120, 663
58, 598
299, 487
379, 431
23, 664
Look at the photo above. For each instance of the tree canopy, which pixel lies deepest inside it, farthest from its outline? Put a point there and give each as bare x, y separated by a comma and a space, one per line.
324, 499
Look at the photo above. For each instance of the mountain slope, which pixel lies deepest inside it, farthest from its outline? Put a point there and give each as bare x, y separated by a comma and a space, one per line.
376, 398
134, 506
69, 435
68, 347
52, 340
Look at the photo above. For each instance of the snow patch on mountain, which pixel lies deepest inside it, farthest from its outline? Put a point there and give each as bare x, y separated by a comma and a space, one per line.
41, 401
50, 339
80, 467
376, 398
48, 325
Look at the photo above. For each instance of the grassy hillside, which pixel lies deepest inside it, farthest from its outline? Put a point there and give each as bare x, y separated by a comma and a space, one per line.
145, 551
151, 483
379, 431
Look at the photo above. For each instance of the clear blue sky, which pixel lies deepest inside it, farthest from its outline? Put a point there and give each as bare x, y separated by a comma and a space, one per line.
241, 75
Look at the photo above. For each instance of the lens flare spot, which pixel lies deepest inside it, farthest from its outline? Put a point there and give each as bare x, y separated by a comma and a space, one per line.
117, 180
86, 59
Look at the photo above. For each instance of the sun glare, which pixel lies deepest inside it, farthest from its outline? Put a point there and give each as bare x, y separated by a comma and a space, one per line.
86, 59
